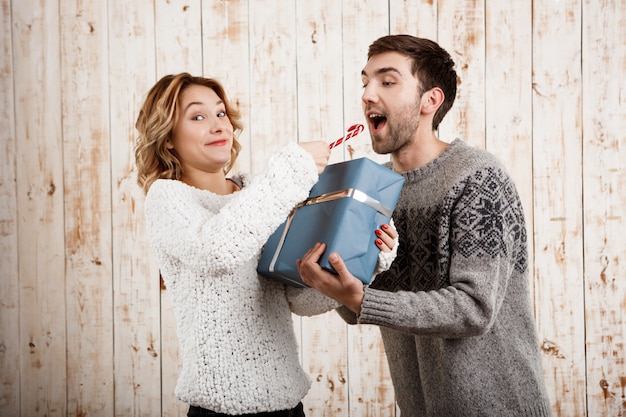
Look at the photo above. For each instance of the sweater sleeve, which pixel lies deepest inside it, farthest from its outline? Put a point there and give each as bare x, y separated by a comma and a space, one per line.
482, 236
218, 239
309, 301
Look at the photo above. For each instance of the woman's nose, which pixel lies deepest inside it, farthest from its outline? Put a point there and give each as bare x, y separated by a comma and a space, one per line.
219, 124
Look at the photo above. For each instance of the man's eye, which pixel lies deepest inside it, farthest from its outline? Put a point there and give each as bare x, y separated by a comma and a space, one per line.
387, 83
197, 117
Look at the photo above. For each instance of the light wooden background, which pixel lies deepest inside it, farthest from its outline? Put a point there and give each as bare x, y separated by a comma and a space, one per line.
86, 330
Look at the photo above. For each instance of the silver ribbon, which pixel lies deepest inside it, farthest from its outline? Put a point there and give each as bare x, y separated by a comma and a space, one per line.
358, 195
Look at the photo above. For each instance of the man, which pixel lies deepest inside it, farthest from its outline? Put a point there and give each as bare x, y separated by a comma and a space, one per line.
454, 309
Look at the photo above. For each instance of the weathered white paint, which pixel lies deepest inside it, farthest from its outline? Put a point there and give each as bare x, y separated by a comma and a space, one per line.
136, 289
604, 199
87, 208
42, 336
85, 328
557, 186
9, 254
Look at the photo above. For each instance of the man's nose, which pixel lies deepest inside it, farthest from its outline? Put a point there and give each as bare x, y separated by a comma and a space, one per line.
369, 95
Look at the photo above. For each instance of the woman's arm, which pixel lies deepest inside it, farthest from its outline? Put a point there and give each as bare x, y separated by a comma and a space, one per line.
194, 227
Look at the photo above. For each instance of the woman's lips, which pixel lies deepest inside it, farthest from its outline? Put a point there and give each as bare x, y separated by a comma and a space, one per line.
219, 142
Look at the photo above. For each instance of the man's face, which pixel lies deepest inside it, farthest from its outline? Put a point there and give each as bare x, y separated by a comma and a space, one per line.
391, 101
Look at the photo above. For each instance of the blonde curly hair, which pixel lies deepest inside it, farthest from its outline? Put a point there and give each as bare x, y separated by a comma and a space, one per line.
157, 119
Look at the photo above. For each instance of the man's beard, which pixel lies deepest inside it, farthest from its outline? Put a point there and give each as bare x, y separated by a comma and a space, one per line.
401, 133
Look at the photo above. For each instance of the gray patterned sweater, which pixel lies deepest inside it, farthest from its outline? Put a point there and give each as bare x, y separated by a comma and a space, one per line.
454, 307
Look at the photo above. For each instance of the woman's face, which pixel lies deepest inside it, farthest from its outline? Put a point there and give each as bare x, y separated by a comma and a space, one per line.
203, 135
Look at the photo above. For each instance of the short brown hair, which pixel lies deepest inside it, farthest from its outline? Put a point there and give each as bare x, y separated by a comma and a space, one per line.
432, 66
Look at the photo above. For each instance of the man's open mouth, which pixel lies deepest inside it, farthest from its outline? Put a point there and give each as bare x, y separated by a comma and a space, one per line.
377, 121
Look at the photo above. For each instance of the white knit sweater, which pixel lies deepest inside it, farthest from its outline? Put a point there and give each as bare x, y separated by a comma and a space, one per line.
235, 329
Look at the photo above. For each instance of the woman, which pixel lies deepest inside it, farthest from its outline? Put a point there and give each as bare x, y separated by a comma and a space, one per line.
207, 230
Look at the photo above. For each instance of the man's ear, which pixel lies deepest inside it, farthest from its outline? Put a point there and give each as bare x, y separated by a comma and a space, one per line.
432, 100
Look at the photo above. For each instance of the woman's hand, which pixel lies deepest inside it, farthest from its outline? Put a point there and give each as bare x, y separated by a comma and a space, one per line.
386, 237
320, 152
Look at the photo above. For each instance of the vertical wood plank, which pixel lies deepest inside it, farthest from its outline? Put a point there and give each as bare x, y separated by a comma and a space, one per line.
319, 80
604, 176
272, 45
370, 388
320, 116
86, 156
136, 289
557, 172
41, 256
417, 18
9, 284
178, 37
178, 45
461, 27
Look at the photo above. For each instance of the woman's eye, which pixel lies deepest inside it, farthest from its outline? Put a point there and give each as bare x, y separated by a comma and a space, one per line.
221, 114
197, 117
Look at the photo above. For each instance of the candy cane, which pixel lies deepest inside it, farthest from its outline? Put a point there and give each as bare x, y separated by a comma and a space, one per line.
351, 132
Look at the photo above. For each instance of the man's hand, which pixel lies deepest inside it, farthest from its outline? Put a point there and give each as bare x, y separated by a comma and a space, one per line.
343, 287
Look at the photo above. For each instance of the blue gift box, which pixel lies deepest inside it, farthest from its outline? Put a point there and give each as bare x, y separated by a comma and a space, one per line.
350, 200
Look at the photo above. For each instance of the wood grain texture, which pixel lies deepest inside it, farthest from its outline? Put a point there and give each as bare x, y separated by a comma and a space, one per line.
461, 31
272, 46
87, 207
604, 185
10, 353
557, 174
178, 37
42, 309
136, 287
417, 18
85, 328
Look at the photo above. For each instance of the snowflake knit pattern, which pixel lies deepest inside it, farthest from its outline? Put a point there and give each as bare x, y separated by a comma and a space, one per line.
454, 308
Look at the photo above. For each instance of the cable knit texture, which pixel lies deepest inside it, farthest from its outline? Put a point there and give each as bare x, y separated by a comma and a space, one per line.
454, 307
235, 329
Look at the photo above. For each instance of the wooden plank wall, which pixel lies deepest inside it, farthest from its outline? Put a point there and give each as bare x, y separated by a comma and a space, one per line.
86, 329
